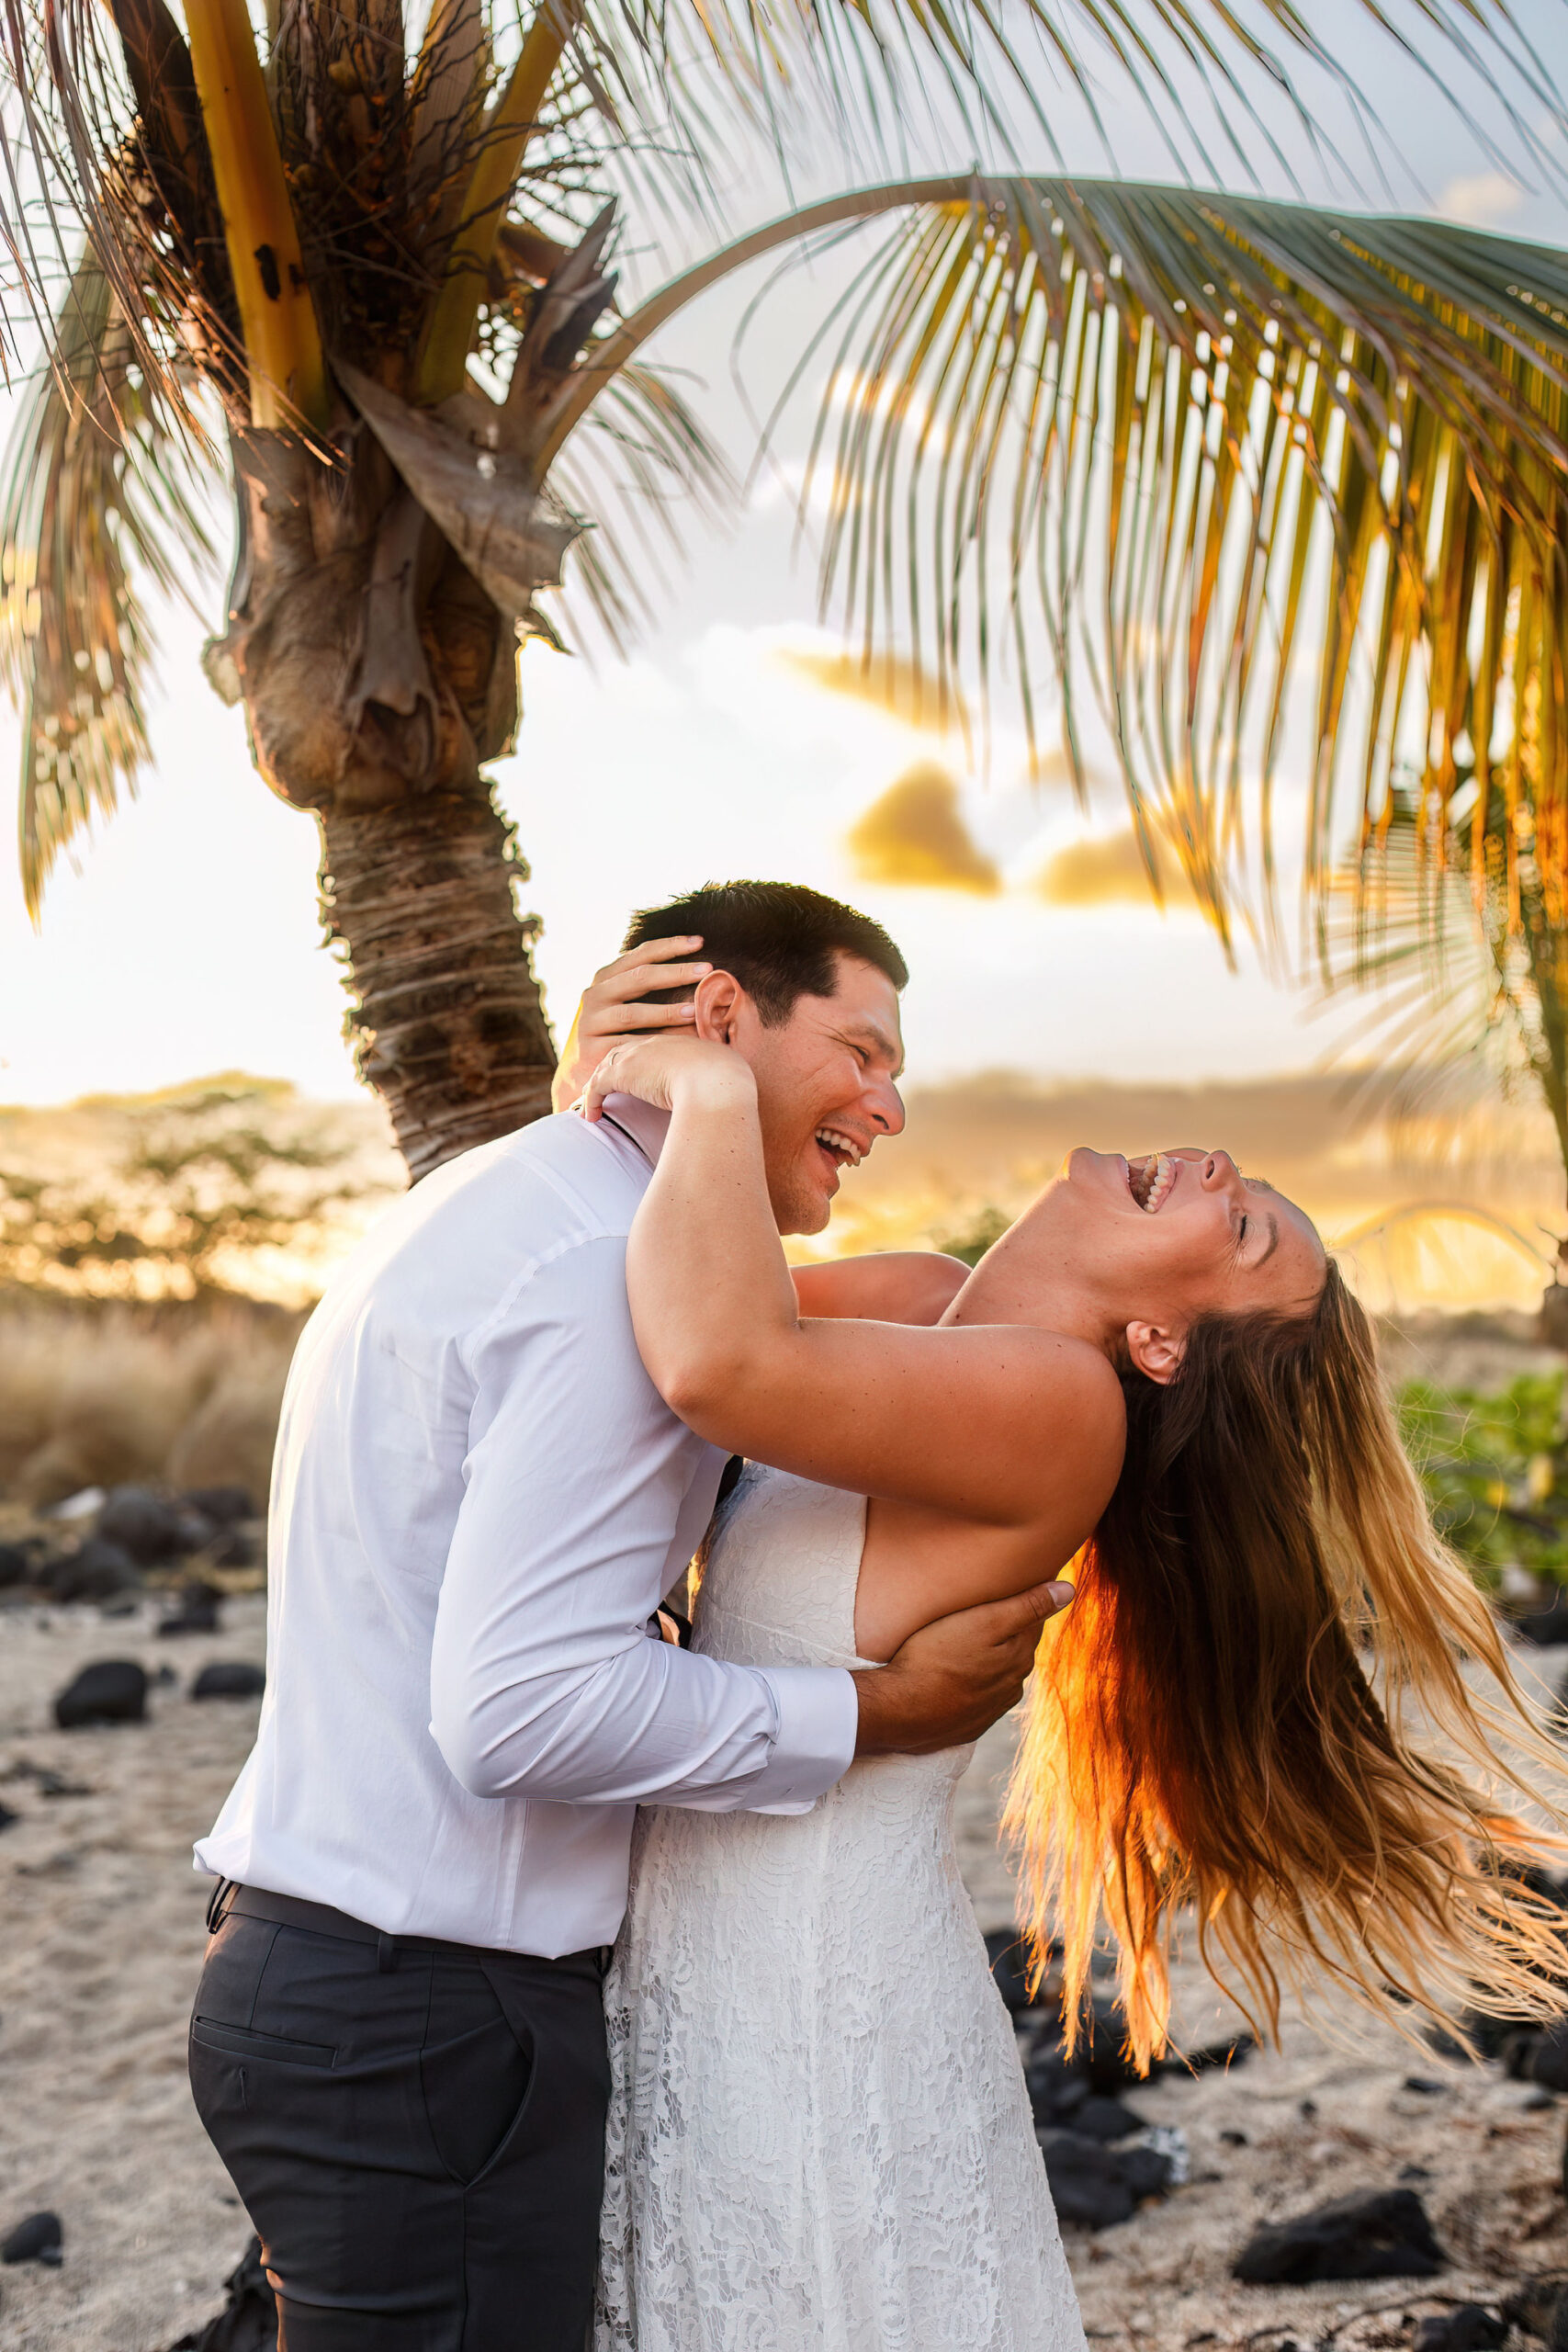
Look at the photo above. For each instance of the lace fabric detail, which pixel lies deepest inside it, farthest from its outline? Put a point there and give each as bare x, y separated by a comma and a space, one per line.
819, 2138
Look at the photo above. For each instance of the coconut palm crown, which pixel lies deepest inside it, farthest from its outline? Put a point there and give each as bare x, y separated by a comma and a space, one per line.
366, 276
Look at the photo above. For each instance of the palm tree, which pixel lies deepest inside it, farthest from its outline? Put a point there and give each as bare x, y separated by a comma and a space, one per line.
367, 279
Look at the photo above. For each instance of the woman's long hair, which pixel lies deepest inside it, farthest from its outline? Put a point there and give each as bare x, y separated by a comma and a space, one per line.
1255, 1706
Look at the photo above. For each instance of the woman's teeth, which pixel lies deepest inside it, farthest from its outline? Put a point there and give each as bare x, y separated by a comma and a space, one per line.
842, 1146
1150, 1179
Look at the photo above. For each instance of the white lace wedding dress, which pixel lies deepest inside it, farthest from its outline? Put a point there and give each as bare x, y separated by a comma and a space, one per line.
819, 2138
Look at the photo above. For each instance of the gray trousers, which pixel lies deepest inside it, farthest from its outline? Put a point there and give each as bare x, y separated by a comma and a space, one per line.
416, 2129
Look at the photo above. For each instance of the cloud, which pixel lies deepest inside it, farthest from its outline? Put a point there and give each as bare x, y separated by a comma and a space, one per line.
1107, 869
916, 834
1052, 768
1478, 200
889, 682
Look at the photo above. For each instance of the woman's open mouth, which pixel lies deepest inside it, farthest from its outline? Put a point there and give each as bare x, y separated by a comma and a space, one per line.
1149, 1179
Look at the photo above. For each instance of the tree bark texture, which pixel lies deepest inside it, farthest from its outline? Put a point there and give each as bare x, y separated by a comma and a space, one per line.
377, 675
448, 1025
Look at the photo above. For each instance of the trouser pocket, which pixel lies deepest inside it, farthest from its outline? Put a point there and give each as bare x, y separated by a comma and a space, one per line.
474, 2073
241, 2041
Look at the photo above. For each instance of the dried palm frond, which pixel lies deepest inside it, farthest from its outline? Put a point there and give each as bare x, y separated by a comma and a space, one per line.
96, 507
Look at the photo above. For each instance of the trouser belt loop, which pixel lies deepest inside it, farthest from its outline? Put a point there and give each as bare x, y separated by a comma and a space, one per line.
386, 1953
218, 1904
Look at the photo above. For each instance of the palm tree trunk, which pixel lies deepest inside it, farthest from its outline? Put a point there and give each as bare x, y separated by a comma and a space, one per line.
377, 677
446, 1020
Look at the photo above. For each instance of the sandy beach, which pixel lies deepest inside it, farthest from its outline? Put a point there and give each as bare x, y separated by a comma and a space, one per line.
102, 1939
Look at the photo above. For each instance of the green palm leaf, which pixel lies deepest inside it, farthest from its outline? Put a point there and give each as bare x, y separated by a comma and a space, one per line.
95, 507
1145, 436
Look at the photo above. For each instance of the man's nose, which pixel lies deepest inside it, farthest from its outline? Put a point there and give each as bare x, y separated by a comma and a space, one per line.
884, 1107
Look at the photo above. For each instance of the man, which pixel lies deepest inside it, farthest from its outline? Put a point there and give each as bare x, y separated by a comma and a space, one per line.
478, 1500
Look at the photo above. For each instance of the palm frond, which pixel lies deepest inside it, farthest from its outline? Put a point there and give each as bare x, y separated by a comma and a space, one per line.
1214, 453
644, 467
379, 138
95, 507
1465, 975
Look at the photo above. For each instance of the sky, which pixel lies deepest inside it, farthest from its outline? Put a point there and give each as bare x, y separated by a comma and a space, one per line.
183, 939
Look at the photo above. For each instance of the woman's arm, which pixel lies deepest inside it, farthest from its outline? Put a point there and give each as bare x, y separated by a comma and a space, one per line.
891, 1286
1004, 1424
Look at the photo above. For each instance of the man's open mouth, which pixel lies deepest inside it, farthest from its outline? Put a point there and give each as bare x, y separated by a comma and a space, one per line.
841, 1148
1149, 1179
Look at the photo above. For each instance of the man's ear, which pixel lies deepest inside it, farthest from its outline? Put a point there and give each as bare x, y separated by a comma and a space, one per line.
1156, 1351
718, 999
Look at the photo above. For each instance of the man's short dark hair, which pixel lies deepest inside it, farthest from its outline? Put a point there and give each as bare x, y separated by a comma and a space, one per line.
780, 940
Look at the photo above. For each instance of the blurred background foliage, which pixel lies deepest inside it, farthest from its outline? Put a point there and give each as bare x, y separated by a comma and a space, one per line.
1495, 1471
229, 1187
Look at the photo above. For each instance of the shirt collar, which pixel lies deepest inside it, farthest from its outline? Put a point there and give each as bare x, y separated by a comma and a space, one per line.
640, 1122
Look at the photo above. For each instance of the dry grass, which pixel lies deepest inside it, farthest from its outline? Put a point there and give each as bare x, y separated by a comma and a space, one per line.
94, 1398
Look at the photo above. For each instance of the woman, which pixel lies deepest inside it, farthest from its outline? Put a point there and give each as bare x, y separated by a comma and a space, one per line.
819, 2135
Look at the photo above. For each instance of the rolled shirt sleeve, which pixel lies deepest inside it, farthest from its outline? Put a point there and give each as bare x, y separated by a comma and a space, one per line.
578, 1493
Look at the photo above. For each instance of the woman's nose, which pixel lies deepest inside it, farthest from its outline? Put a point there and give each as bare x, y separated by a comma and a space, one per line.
1218, 1171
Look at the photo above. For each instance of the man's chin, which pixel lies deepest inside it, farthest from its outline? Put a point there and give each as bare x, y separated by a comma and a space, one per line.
806, 1211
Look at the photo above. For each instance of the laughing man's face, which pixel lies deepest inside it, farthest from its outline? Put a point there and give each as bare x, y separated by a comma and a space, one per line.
826, 1090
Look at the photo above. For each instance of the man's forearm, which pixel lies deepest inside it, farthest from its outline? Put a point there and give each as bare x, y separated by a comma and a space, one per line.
650, 1724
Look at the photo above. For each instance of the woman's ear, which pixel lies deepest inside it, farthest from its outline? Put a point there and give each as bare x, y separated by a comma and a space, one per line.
1156, 1351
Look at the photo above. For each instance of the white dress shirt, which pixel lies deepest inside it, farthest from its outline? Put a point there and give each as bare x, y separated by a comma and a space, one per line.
479, 1497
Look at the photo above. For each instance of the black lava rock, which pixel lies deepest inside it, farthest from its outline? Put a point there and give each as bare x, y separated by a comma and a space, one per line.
1085, 2180
197, 1611
1470, 2328
1144, 2170
1382, 2234
1009, 1967
96, 1572
1471, 2034
151, 1529
248, 2322
230, 1679
1057, 2087
1213, 2053
1547, 1628
1548, 2059
221, 1505
37, 2239
1110, 2065
233, 1549
1534, 2306
112, 1691
1096, 2185
1106, 2119
15, 1565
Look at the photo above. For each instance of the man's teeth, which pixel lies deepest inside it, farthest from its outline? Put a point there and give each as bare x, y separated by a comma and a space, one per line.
832, 1140
1150, 1179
